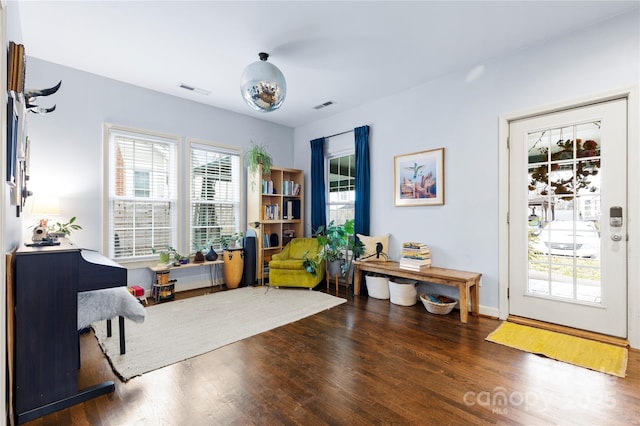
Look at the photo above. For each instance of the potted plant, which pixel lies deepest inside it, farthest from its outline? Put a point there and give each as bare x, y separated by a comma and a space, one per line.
62, 230
237, 239
198, 257
258, 155
224, 242
164, 254
177, 257
335, 239
310, 264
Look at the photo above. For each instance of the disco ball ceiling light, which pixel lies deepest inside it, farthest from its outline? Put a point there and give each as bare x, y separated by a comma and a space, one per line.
263, 86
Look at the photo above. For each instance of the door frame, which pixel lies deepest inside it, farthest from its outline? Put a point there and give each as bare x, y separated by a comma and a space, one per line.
633, 200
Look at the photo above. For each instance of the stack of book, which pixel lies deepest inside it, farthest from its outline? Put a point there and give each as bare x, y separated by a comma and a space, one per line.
415, 256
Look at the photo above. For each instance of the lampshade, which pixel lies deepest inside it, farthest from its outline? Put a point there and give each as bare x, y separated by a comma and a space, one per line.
263, 86
45, 205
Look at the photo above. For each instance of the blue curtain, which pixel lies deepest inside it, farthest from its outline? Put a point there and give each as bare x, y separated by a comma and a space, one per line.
363, 195
318, 203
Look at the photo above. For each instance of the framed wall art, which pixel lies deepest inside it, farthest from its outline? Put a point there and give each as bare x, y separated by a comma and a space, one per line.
419, 178
12, 141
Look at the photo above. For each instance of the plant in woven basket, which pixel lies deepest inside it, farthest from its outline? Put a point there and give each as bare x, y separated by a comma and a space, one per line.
258, 155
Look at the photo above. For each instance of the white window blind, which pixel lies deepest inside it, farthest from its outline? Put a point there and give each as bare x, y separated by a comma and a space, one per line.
341, 188
142, 202
215, 194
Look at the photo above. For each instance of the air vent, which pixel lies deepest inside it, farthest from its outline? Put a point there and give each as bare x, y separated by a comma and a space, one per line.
194, 89
324, 105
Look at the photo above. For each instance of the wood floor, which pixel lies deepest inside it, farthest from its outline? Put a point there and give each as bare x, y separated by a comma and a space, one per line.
364, 362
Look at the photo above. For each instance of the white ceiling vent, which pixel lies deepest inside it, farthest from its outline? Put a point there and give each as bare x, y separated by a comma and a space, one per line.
194, 89
324, 105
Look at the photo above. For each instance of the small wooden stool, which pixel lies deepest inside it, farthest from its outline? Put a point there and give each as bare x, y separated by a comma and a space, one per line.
329, 278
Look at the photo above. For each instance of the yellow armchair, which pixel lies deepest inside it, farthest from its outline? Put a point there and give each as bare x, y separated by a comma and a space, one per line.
286, 268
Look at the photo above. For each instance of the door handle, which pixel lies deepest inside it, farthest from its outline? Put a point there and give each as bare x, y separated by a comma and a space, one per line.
616, 237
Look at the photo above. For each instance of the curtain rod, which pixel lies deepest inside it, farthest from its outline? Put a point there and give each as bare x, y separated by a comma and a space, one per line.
338, 134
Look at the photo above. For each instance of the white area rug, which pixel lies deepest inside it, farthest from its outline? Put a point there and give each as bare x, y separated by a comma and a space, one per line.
181, 329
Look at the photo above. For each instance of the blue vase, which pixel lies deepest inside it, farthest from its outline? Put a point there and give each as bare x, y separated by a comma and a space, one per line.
211, 255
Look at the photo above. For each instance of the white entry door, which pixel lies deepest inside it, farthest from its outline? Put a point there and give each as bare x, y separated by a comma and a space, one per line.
568, 218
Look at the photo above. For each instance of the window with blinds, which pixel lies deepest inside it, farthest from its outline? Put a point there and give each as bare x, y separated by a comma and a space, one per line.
342, 188
215, 194
142, 188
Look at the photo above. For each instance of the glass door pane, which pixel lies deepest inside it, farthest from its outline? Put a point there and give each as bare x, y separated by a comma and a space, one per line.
564, 213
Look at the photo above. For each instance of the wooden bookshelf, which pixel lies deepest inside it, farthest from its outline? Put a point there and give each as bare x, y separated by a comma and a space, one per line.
275, 203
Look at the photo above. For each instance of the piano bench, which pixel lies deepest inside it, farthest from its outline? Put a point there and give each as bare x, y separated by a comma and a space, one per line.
123, 349
109, 303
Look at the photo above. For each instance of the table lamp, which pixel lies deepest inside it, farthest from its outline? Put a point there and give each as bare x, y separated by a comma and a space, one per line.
44, 206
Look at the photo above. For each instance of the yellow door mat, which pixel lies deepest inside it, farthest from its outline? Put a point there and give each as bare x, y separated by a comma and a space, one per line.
586, 353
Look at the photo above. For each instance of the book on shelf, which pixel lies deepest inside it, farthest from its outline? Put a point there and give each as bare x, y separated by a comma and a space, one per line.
271, 212
291, 209
290, 188
267, 187
270, 240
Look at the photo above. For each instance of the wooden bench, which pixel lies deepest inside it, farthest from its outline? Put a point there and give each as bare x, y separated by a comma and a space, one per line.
468, 283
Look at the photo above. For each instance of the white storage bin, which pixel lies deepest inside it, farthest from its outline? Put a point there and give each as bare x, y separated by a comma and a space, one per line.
377, 287
403, 291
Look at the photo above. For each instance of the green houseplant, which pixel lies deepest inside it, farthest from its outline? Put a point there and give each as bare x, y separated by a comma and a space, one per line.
224, 242
311, 264
60, 229
164, 254
167, 253
177, 256
231, 241
336, 241
258, 155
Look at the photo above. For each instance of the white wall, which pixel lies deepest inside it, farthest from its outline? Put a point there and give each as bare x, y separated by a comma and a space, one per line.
10, 224
461, 115
67, 146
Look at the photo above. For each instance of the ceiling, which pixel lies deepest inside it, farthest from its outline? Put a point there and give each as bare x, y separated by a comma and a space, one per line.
348, 52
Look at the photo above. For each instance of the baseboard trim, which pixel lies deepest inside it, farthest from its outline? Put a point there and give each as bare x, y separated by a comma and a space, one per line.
489, 312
